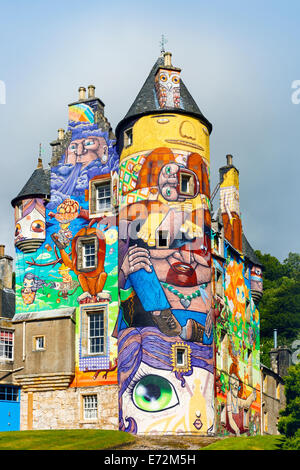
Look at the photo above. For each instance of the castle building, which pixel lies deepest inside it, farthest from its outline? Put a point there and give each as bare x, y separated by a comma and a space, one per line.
136, 303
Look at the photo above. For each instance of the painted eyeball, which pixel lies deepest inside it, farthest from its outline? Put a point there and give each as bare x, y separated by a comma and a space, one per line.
72, 147
17, 230
163, 77
168, 170
88, 143
154, 393
37, 226
175, 79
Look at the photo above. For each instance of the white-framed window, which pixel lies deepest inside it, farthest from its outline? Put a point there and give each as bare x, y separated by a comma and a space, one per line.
90, 407
96, 332
6, 344
39, 343
103, 196
89, 254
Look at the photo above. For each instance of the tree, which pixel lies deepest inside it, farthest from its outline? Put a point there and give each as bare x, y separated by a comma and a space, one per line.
280, 305
289, 422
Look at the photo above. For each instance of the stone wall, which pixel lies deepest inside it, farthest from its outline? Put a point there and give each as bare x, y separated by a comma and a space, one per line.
63, 409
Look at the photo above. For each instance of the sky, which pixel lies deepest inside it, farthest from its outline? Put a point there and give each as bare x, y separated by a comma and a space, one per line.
239, 60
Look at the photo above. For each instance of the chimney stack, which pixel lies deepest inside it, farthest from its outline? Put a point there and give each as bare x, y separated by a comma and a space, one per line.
167, 59
82, 92
40, 164
91, 91
6, 265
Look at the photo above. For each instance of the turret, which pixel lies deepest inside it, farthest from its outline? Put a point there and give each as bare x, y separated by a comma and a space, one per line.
29, 206
164, 254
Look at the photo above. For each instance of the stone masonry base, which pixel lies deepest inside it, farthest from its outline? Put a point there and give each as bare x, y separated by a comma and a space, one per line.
63, 409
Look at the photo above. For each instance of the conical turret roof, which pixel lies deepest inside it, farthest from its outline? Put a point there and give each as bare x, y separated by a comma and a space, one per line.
38, 185
146, 102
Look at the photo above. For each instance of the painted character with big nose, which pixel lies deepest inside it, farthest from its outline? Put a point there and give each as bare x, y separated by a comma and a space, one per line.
167, 262
86, 150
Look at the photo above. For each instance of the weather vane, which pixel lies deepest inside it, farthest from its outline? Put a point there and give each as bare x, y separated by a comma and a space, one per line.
162, 43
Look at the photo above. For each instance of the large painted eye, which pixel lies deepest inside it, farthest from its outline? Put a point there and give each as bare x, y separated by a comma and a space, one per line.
175, 79
37, 226
163, 77
153, 393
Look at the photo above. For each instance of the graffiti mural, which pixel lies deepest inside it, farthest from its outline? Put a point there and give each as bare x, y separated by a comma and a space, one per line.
165, 281
237, 352
75, 264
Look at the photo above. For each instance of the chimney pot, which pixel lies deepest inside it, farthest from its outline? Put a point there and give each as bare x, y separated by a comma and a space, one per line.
61, 134
2, 250
40, 163
167, 59
229, 160
91, 91
82, 92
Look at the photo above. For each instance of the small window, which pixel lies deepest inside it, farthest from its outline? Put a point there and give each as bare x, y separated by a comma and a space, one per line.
223, 353
8, 393
265, 383
90, 407
186, 183
250, 367
89, 254
6, 344
162, 239
277, 390
266, 421
219, 282
181, 357
128, 137
96, 332
103, 196
39, 343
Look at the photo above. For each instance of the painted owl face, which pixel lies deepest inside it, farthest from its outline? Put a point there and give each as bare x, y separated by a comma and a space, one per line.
168, 88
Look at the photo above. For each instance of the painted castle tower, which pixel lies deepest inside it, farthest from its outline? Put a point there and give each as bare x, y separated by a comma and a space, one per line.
150, 297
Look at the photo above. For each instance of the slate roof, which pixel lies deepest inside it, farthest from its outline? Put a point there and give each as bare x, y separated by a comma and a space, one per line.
249, 252
64, 312
37, 185
146, 103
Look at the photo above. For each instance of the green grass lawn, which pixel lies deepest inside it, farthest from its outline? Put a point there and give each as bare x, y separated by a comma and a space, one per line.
247, 443
77, 439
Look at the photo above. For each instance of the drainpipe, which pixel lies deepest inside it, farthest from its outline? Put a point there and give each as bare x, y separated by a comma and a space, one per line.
24, 340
